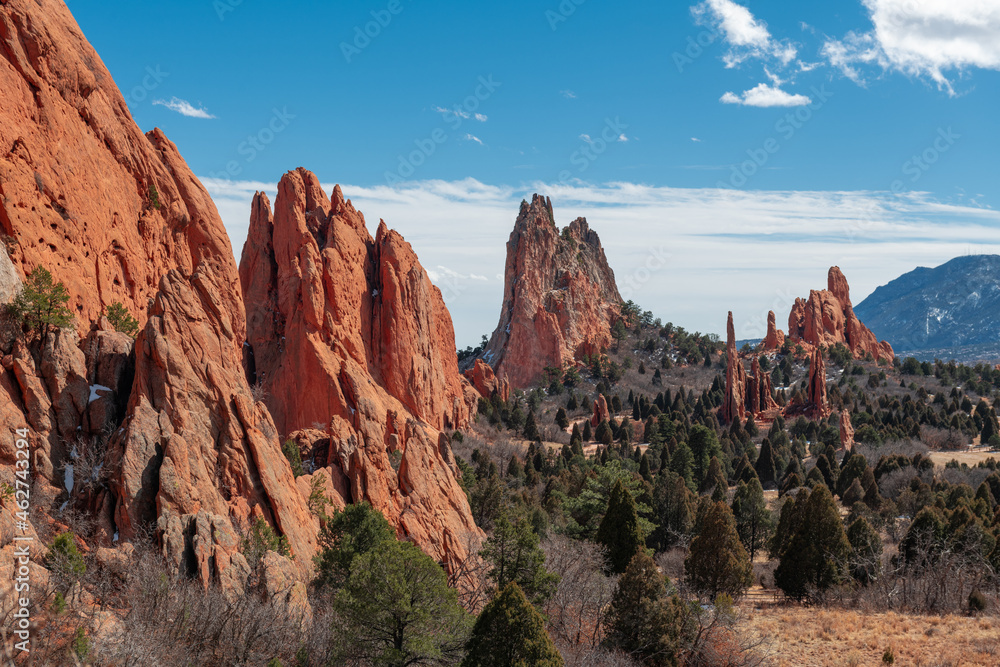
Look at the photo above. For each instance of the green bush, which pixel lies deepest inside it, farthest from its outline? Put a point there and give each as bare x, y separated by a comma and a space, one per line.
41, 304
291, 452
262, 539
121, 319
154, 197
65, 558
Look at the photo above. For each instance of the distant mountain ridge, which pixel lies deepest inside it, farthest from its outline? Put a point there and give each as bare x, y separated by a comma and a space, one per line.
953, 305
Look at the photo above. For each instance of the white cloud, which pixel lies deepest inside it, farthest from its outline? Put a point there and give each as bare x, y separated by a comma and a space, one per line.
752, 250
568, 94
472, 137
696, 140
929, 38
481, 117
586, 137
746, 35
622, 138
184, 108
764, 95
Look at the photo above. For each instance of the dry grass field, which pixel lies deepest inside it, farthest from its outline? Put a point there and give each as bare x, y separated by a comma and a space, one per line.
808, 636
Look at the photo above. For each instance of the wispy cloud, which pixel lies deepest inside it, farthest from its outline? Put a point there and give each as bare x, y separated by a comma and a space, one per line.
746, 36
696, 140
767, 247
462, 113
184, 108
764, 95
568, 94
472, 137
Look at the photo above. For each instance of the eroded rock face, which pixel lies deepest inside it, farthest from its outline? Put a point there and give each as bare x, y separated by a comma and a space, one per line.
116, 215
600, 411
350, 338
775, 338
846, 431
818, 406
827, 318
78, 177
486, 382
560, 297
735, 401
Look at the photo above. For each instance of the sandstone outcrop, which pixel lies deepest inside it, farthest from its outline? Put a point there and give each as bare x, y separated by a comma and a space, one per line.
560, 298
600, 411
846, 431
775, 338
117, 216
349, 338
817, 406
827, 318
735, 401
485, 381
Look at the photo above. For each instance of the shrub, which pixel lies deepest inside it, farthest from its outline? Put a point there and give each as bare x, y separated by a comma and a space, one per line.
41, 303
262, 539
888, 657
291, 452
121, 319
154, 196
977, 602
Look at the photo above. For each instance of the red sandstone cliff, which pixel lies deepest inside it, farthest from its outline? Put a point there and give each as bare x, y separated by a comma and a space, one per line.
560, 297
117, 215
827, 318
351, 339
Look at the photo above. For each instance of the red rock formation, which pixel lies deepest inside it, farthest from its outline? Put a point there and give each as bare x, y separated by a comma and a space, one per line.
775, 337
818, 406
117, 215
735, 402
601, 412
827, 318
759, 392
485, 381
560, 297
356, 322
77, 176
846, 431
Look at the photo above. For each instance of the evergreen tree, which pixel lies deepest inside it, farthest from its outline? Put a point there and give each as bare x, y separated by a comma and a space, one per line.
510, 633
644, 471
41, 303
604, 434
396, 609
619, 531
561, 419
765, 467
704, 445
717, 562
814, 558
530, 431
352, 532
788, 523
643, 619
714, 480
682, 463
753, 520
866, 551
674, 506
514, 556
588, 435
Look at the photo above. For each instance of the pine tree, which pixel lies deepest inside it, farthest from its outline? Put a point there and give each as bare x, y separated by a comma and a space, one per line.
814, 557
510, 633
715, 479
674, 506
643, 619
530, 431
753, 520
513, 554
717, 562
41, 303
644, 471
588, 435
561, 419
866, 551
619, 531
682, 463
765, 467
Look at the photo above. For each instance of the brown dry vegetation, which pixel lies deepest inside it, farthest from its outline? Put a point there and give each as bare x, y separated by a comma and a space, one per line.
807, 636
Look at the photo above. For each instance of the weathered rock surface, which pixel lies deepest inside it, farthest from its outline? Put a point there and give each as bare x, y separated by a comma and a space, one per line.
735, 401
10, 281
827, 318
560, 297
349, 337
78, 177
486, 382
846, 431
600, 411
775, 338
116, 215
817, 406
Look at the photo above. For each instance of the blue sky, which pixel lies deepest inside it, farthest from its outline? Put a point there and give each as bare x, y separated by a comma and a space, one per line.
630, 114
